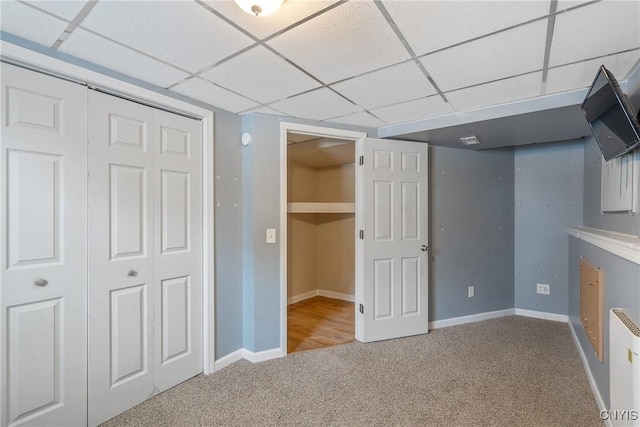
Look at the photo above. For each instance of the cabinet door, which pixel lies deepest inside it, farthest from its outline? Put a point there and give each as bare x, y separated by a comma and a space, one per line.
121, 291
43, 293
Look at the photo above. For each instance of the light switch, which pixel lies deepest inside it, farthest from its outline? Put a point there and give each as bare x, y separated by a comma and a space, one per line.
271, 235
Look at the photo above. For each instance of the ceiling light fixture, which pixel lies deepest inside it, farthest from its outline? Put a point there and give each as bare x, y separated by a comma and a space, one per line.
470, 140
259, 7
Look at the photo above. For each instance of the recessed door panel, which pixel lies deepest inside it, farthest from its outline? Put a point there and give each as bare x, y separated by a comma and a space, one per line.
176, 307
175, 142
127, 132
175, 211
382, 214
382, 160
34, 110
383, 292
128, 190
410, 286
410, 162
35, 358
410, 210
129, 332
33, 208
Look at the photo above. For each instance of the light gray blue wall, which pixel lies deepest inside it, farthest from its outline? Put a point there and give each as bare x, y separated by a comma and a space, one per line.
548, 199
593, 216
471, 231
621, 289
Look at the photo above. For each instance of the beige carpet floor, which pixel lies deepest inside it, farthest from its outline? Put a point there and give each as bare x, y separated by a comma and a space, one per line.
512, 371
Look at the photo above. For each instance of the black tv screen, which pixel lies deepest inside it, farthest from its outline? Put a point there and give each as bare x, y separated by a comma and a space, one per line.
611, 117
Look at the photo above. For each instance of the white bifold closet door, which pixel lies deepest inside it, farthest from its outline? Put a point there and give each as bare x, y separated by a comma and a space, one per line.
43, 323
145, 253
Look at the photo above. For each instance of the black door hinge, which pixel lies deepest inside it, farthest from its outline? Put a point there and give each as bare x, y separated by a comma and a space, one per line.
361, 308
361, 234
361, 160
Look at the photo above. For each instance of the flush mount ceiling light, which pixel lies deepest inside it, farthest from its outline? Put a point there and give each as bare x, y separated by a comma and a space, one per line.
259, 7
470, 140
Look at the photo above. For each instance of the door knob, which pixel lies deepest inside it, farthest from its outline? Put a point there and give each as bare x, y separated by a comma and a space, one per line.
132, 273
424, 248
41, 282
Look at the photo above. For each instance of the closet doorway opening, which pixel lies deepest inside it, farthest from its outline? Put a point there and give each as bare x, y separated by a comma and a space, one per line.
320, 245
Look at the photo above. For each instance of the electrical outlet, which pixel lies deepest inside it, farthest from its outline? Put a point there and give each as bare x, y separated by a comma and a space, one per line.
543, 288
472, 290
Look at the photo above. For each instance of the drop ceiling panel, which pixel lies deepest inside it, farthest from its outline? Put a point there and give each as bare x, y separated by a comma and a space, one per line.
263, 110
319, 104
106, 53
432, 25
506, 54
182, 33
359, 119
391, 85
62, 8
581, 74
21, 20
499, 92
350, 39
262, 74
207, 92
413, 110
289, 13
594, 30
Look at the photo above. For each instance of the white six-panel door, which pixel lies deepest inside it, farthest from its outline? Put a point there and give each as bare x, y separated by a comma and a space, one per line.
145, 253
43, 294
395, 239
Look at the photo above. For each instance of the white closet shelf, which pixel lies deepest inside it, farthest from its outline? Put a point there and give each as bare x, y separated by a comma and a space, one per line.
314, 207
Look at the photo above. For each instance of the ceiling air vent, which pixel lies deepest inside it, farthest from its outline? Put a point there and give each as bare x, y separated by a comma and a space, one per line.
470, 140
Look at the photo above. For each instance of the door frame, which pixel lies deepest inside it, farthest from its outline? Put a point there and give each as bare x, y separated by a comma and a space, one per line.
47, 64
320, 131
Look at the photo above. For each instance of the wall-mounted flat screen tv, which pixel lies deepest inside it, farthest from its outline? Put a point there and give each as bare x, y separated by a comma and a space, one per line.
611, 117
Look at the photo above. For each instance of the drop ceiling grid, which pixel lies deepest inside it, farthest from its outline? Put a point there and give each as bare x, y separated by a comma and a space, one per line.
592, 30
362, 118
67, 10
427, 26
262, 75
180, 33
509, 53
21, 20
319, 104
345, 41
100, 51
431, 106
209, 93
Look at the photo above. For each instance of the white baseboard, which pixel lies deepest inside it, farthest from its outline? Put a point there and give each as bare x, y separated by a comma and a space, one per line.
590, 377
542, 315
322, 293
227, 360
470, 319
261, 356
336, 295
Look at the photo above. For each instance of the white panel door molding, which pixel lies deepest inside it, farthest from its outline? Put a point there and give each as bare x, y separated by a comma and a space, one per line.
395, 259
43, 357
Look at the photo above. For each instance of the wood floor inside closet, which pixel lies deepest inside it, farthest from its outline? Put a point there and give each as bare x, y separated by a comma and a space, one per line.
319, 322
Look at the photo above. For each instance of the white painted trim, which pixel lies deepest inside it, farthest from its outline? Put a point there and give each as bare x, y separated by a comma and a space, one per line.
309, 130
336, 295
262, 356
230, 358
625, 246
61, 68
454, 321
542, 315
592, 381
302, 297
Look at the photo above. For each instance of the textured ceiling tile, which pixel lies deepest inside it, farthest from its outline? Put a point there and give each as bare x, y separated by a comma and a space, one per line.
432, 25
499, 92
359, 119
581, 74
505, 54
207, 92
319, 104
63, 8
289, 13
182, 33
423, 108
263, 110
21, 20
594, 30
389, 86
262, 75
98, 50
348, 40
